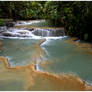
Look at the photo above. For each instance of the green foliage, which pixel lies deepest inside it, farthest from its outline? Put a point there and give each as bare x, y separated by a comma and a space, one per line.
75, 16
21, 10
85, 36
42, 24
1, 22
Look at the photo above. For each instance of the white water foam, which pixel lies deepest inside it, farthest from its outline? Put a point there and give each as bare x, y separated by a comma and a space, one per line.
37, 67
8, 57
49, 39
28, 22
55, 38
14, 33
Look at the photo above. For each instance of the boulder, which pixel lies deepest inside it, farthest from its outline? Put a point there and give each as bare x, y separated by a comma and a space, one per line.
6, 34
9, 24
30, 29
3, 29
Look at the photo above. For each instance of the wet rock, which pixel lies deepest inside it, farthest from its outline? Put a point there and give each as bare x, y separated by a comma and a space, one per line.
24, 32
10, 34
30, 29
74, 38
20, 22
48, 32
60, 32
7, 34
18, 34
3, 29
9, 24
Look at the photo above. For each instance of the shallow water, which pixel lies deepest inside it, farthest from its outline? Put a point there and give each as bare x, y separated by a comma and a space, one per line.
51, 56
59, 57
19, 51
63, 57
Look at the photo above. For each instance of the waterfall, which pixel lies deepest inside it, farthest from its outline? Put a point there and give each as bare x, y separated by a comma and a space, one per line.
30, 32
48, 32
36, 32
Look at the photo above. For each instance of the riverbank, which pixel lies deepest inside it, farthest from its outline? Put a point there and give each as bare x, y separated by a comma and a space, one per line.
82, 45
56, 82
29, 77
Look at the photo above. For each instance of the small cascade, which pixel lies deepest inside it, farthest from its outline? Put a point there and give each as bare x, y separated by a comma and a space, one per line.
37, 66
3, 29
12, 32
41, 32
35, 33
48, 32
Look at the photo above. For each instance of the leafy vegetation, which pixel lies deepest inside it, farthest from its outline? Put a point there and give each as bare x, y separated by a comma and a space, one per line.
1, 22
42, 24
21, 10
75, 16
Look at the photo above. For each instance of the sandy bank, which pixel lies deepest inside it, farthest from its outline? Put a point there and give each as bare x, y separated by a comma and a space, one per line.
83, 46
37, 80
27, 78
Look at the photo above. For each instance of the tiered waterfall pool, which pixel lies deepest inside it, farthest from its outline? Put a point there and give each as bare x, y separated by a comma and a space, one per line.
54, 55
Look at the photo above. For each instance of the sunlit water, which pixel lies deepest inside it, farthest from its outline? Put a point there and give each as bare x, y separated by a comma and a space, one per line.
59, 57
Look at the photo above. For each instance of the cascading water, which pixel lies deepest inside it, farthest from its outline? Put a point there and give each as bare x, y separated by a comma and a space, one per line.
47, 53
43, 32
36, 33
13, 32
48, 32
